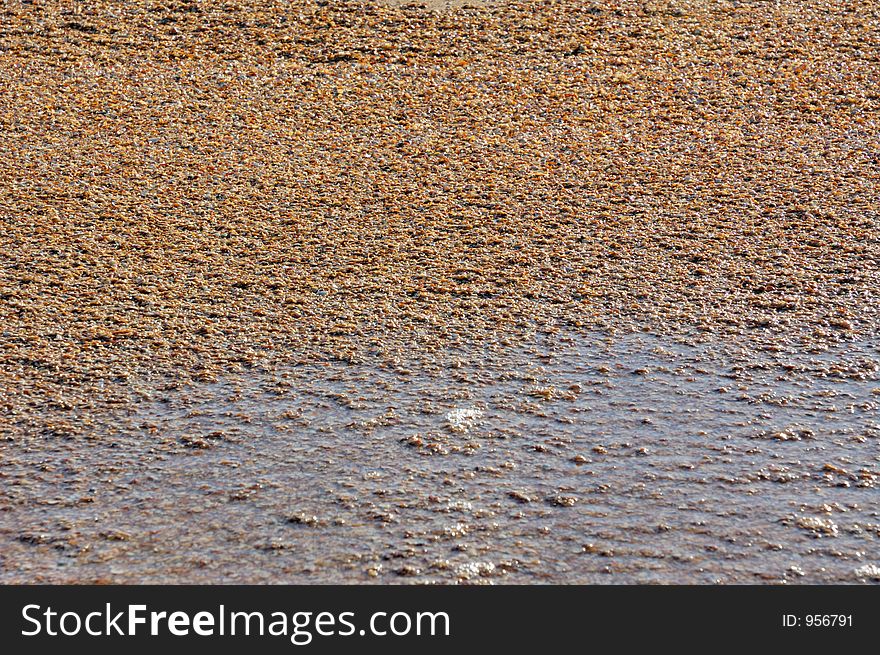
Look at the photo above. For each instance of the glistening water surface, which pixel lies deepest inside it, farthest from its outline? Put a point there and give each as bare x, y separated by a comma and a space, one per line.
576, 458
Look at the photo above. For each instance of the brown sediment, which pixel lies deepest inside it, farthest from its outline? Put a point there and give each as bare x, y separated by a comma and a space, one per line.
196, 184
191, 188
443, 5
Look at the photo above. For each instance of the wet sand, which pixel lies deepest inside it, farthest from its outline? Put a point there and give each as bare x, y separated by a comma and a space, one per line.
568, 460
399, 293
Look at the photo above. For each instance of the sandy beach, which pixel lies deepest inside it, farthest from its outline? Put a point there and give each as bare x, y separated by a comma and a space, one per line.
439, 292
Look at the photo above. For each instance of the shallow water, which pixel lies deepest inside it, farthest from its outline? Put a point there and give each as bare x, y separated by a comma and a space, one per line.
572, 459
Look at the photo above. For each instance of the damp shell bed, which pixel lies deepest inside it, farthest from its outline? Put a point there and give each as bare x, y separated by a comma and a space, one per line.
386, 292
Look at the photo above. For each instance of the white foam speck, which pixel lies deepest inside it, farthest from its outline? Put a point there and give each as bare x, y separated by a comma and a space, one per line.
461, 418
871, 571
475, 569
